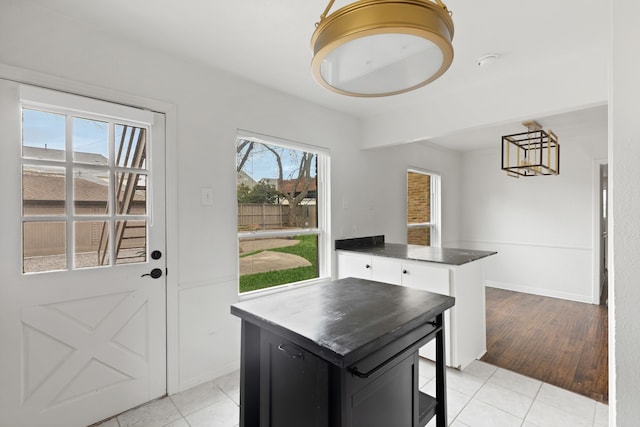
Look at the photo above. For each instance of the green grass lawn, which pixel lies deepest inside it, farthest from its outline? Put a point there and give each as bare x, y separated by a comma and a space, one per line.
307, 249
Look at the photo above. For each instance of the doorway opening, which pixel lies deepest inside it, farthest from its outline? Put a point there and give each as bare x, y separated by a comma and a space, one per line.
603, 238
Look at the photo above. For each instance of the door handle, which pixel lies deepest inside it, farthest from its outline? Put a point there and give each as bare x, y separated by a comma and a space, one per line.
156, 273
295, 354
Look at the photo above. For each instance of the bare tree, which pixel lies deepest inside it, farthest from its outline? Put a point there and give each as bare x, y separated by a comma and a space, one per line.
241, 146
299, 188
296, 187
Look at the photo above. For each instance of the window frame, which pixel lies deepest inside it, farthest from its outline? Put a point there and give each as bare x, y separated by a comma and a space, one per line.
323, 229
434, 224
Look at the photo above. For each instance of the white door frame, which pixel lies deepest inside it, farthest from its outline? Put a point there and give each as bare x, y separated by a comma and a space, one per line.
34, 78
597, 230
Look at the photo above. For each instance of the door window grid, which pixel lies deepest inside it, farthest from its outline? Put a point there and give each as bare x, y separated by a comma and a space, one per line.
68, 212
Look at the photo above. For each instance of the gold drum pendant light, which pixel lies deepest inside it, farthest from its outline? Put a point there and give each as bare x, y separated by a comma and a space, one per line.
373, 48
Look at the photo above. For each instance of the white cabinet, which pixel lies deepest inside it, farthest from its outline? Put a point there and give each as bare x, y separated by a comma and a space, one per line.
433, 278
354, 265
465, 323
362, 266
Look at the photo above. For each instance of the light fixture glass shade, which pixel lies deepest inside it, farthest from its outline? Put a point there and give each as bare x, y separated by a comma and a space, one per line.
381, 47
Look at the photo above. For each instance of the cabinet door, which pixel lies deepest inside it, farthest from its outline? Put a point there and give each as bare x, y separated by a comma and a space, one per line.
387, 270
394, 389
427, 277
354, 265
294, 385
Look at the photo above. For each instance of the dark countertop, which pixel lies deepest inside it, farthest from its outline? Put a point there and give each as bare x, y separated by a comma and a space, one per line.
344, 320
375, 245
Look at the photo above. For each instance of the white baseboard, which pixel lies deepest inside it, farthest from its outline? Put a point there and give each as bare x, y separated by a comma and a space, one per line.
539, 291
208, 376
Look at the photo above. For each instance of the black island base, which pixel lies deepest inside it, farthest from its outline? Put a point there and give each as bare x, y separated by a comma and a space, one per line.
340, 354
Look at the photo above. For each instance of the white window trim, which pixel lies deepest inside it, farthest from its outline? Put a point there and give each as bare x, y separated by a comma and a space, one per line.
323, 231
435, 225
47, 98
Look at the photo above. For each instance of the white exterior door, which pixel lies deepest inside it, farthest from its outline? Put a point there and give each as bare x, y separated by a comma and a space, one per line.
82, 324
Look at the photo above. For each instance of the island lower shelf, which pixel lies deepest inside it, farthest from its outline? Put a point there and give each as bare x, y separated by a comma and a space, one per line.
427, 408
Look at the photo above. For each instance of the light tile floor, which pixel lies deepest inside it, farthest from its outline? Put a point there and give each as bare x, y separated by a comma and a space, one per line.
481, 395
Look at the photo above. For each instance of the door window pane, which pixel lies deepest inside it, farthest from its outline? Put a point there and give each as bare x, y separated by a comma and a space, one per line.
131, 144
90, 141
44, 246
90, 191
43, 190
131, 194
87, 236
43, 135
131, 237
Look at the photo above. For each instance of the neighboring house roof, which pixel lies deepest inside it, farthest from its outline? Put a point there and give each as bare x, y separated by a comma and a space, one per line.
43, 183
244, 178
49, 187
49, 154
289, 184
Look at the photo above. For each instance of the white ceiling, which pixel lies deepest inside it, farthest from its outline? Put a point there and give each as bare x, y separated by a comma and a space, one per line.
267, 41
589, 125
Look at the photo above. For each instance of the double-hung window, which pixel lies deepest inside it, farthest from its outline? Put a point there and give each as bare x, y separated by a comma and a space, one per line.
423, 208
283, 212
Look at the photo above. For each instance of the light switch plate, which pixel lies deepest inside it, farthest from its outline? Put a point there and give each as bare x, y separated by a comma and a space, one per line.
206, 196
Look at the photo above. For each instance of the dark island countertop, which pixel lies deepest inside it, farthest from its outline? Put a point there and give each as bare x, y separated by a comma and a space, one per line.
375, 245
344, 320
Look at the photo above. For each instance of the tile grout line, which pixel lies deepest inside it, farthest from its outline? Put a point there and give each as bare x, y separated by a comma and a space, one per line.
177, 409
533, 401
474, 394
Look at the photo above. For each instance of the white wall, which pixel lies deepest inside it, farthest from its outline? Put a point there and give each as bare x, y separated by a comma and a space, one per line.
389, 184
207, 107
210, 106
624, 226
370, 197
542, 227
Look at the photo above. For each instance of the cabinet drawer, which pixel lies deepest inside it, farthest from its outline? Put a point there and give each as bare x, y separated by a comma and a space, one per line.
354, 265
426, 277
377, 362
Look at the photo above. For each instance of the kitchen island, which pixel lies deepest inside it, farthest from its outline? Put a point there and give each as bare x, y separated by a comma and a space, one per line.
448, 271
340, 354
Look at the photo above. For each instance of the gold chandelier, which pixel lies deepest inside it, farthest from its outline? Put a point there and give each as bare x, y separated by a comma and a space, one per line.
531, 153
375, 48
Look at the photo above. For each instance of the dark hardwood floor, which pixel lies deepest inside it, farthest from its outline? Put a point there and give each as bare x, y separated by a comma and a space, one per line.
560, 342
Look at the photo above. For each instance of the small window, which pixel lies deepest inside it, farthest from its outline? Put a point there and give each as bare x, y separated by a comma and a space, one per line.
282, 212
423, 208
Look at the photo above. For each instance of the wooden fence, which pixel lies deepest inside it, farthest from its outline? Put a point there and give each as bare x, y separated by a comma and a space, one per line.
258, 216
49, 238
